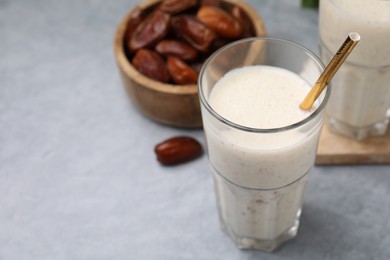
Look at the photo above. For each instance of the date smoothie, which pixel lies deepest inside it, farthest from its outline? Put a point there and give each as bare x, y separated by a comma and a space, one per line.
260, 177
360, 102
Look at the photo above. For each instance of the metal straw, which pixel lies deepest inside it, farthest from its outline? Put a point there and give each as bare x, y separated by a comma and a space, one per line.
338, 59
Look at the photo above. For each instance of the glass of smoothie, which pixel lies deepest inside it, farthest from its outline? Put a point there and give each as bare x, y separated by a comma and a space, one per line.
261, 145
359, 106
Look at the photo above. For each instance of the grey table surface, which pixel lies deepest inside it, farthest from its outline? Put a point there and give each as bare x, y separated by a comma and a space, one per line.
78, 175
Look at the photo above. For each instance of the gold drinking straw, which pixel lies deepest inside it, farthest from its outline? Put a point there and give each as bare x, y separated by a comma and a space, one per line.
338, 59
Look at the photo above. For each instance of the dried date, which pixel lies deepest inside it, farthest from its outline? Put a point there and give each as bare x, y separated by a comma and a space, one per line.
177, 150
176, 48
181, 72
151, 65
194, 32
153, 29
243, 19
221, 22
176, 6
135, 18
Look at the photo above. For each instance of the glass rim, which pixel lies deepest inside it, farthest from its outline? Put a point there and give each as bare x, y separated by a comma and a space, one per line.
254, 129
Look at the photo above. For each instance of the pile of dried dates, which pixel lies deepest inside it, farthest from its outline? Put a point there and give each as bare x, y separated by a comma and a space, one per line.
169, 41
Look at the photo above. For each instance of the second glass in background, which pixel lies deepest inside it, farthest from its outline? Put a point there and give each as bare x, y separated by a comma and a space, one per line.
359, 106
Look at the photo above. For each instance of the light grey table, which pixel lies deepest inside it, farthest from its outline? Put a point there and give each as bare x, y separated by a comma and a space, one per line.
78, 175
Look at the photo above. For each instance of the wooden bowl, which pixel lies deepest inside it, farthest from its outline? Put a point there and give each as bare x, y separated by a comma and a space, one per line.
166, 103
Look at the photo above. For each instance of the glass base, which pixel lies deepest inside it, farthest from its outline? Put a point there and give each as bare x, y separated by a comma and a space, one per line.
266, 245
358, 133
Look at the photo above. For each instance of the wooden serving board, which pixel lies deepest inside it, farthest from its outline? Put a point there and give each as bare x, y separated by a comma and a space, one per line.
336, 149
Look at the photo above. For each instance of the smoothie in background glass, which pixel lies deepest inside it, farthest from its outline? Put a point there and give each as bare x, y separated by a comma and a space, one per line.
261, 145
360, 102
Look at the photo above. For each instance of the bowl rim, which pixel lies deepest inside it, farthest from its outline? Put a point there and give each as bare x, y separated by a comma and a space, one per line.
128, 69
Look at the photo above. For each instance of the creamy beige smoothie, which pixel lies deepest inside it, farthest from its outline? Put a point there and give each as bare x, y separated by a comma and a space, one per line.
260, 178
360, 102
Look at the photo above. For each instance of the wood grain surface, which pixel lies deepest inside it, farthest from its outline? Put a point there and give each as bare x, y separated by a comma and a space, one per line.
337, 149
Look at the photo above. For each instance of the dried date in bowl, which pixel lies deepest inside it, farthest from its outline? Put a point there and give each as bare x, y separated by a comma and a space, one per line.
169, 103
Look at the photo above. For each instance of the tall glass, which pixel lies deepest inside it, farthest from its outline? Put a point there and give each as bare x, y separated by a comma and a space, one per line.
359, 106
260, 174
